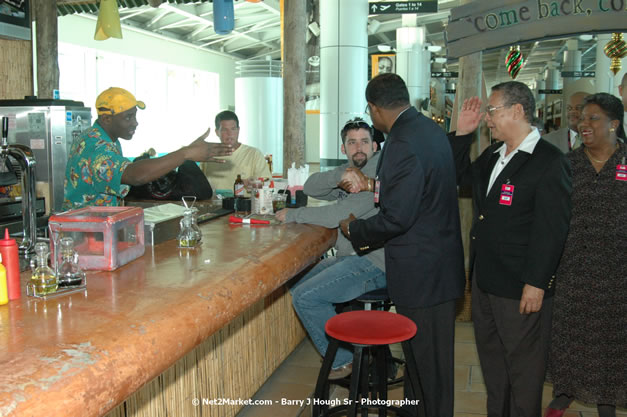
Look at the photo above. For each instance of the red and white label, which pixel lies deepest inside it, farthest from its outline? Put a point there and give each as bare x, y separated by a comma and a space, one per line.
507, 195
621, 172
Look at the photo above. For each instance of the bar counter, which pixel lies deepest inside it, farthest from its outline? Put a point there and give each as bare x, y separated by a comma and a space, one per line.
161, 323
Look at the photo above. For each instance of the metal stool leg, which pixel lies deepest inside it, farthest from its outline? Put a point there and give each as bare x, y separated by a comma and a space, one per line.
382, 378
322, 385
365, 378
353, 393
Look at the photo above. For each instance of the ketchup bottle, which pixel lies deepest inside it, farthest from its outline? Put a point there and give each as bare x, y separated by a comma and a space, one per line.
11, 261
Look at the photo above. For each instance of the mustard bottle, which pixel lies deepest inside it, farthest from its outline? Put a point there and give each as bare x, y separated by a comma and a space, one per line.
4, 294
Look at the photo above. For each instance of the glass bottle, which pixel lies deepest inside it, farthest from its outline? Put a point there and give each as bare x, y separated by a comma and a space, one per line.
238, 187
43, 278
195, 225
69, 272
187, 235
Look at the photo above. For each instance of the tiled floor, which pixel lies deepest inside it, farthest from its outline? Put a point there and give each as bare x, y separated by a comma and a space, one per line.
295, 380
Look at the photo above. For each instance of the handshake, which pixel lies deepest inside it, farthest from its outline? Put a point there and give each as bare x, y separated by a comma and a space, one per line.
354, 181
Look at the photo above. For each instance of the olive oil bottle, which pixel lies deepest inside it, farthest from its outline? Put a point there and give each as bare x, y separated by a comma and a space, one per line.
44, 280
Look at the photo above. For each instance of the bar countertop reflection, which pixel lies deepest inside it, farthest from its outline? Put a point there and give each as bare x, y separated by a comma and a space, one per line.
84, 353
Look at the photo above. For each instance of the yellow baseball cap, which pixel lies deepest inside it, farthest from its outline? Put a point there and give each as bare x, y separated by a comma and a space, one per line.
116, 100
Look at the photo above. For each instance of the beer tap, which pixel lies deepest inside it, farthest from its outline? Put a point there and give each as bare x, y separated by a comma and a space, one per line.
26, 161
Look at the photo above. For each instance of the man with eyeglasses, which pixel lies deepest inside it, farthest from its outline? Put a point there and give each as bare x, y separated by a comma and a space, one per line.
346, 276
567, 138
521, 189
418, 224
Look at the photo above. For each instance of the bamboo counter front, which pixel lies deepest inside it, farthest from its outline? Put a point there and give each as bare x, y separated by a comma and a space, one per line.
162, 331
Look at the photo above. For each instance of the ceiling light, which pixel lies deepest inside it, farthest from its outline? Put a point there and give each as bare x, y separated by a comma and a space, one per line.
585, 37
440, 60
384, 48
434, 48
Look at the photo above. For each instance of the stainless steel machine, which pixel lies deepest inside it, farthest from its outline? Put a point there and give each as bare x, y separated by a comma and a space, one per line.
48, 128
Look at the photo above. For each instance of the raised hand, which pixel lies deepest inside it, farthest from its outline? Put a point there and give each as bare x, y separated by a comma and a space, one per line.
469, 116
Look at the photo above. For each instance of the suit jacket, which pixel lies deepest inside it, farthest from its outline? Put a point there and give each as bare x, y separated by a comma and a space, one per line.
521, 243
418, 220
559, 138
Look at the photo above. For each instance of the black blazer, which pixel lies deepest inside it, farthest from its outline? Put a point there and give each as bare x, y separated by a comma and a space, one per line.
418, 220
522, 243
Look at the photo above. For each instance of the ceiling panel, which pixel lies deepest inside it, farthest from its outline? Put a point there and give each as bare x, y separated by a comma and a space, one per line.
257, 32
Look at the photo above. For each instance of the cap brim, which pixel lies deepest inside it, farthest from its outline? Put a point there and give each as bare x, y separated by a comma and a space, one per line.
141, 105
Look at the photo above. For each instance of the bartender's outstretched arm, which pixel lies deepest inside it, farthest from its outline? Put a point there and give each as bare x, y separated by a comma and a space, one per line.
147, 170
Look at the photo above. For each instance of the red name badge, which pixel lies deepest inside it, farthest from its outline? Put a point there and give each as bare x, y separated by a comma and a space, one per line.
621, 172
377, 186
507, 194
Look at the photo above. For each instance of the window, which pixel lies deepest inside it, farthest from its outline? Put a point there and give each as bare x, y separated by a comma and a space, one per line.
180, 102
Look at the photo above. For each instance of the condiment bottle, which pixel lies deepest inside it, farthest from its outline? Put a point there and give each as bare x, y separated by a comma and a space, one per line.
195, 225
238, 187
69, 273
4, 296
11, 261
43, 278
187, 235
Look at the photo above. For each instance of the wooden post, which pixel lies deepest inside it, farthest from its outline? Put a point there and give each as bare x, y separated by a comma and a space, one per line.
295, 26
47, 47
469, 85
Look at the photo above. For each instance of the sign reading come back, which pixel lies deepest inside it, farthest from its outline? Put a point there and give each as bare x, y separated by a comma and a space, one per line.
488, 24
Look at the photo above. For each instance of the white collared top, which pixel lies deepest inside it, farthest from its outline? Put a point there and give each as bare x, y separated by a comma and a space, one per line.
527, 145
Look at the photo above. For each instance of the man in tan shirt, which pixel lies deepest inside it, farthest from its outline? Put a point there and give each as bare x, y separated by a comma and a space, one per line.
245, 160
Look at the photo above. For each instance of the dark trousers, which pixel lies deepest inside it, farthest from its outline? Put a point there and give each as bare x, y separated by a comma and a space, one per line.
513, 351
433, 349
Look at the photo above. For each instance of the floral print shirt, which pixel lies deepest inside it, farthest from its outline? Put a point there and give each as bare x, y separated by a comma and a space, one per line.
93, 176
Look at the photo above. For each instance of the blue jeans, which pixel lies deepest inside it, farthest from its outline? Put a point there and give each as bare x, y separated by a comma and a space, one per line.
333, 280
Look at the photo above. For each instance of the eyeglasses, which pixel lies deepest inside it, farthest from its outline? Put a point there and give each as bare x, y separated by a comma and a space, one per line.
367, 110
356, 123
571, 108
492, 109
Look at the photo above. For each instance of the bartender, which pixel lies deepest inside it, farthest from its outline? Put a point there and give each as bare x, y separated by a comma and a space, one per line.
97, 174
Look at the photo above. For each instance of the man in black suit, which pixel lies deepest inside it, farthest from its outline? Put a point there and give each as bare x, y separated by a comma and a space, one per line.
521, 196
418, 223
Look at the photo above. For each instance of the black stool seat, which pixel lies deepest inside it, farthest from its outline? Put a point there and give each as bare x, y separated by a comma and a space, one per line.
374, 300
380, 294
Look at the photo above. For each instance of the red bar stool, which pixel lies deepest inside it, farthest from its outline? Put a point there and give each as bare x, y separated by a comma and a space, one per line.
365, 329
380, 300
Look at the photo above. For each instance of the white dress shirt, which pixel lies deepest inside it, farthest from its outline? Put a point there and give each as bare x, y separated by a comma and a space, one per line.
527, 145
572, 137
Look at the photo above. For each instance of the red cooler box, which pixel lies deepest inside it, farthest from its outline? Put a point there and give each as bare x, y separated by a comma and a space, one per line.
104, 237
